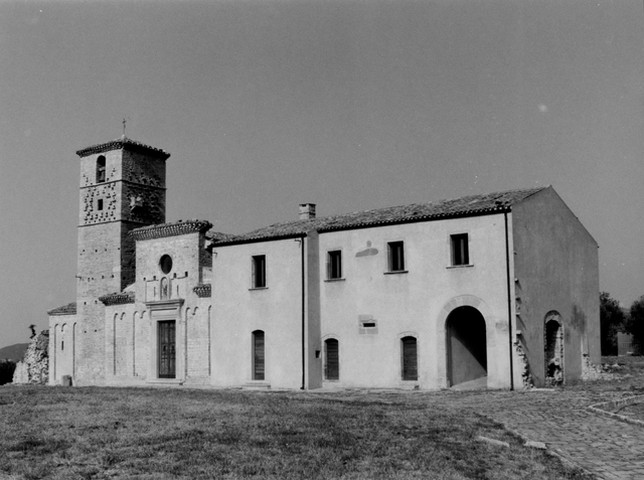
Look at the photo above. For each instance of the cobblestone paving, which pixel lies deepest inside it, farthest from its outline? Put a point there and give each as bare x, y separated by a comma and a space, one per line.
605, 447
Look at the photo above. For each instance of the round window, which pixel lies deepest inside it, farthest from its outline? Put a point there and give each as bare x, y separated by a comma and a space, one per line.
166, 264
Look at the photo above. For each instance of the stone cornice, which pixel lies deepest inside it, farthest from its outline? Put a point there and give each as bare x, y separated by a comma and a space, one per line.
182, 227
122, 143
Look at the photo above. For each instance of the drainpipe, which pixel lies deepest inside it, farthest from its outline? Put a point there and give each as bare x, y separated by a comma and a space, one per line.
301, 240
507, 271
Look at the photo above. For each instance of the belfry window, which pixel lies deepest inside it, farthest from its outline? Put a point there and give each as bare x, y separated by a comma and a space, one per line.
100, 169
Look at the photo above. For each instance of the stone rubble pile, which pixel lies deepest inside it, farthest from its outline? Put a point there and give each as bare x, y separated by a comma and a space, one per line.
34, 367
590, 371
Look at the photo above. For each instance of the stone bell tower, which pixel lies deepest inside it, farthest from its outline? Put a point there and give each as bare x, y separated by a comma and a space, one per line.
122, 187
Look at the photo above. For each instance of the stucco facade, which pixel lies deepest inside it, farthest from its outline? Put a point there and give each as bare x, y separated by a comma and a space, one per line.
485, 291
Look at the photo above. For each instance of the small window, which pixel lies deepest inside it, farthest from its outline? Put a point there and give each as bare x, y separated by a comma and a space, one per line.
396, 256
331, 359
367, 325
259, 367
259, 271
409, 359
100, 169
334, 265
460, 249
99, 204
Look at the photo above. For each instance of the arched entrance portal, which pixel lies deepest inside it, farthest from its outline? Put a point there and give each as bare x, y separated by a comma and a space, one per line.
466, 346
553, 349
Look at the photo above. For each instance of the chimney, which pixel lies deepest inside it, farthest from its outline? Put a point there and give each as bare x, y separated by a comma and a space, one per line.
307, 211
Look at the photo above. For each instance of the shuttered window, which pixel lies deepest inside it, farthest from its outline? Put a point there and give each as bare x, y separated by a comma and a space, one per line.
334, 265
331, 359
258, 355
409, 359
460, 249
396, 252
259, 271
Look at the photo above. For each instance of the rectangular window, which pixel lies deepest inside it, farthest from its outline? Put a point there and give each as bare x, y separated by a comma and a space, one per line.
334, 265
99, 204
259, 271
396, 252
460, 250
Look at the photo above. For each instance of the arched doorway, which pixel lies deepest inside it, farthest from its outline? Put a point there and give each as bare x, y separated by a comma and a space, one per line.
553, 349
466, 346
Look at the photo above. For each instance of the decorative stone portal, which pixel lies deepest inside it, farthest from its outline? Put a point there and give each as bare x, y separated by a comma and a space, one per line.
466, 346
553, 349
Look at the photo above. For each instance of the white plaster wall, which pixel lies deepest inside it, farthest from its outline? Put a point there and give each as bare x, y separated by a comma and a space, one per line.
238, 310
414, 303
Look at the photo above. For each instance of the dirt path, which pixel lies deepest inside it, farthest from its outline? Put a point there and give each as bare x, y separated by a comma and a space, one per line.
604, 446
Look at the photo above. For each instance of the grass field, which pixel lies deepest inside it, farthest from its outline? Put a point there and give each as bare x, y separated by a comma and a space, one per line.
98, 433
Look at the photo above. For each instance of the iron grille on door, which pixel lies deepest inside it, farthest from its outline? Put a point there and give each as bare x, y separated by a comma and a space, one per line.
167, 356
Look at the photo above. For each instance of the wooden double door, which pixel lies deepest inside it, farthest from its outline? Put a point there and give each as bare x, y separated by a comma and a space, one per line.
167, 357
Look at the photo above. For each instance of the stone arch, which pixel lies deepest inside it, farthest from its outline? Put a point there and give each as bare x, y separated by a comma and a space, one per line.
467, 325
553, 347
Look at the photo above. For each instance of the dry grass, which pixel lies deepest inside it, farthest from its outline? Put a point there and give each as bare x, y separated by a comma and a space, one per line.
70, 433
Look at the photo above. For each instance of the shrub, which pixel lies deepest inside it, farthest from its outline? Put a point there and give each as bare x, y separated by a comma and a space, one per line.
7, 368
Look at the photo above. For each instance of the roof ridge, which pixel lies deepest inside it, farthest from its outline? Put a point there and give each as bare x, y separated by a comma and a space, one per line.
469, 205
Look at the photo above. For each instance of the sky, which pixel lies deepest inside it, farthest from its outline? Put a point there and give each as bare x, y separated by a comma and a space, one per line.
352, 105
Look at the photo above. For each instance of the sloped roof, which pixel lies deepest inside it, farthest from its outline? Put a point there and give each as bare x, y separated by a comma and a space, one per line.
471, 205
69, 309
119, 143
170, 229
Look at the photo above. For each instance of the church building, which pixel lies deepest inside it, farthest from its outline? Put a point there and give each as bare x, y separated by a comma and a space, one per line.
496, 290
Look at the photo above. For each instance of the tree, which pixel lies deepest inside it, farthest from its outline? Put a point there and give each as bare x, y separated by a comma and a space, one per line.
612, 320
635, 324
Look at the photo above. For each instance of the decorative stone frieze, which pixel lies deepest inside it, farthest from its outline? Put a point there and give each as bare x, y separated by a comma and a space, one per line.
203, 290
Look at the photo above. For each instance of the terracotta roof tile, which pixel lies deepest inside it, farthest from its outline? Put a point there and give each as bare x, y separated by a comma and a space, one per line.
180, 227
119, 143
69, 309
459, 207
